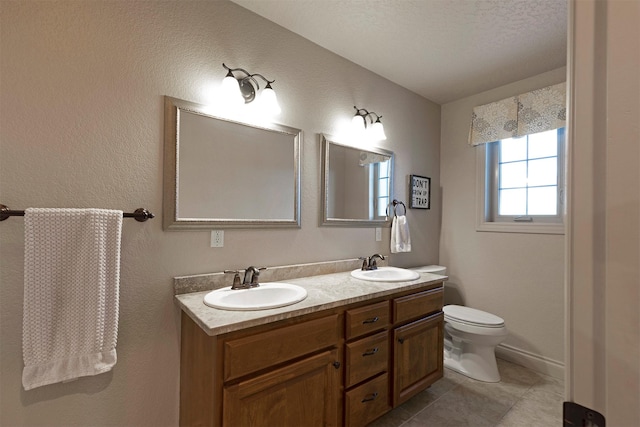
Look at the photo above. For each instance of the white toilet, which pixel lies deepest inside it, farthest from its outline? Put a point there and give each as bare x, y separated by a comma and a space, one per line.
470, 337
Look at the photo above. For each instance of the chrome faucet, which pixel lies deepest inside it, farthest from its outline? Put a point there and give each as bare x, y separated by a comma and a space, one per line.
372, 261
369, 263
251, 275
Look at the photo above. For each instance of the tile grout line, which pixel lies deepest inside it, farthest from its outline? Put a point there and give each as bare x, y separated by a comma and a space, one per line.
520, 399
524, 396
430, 404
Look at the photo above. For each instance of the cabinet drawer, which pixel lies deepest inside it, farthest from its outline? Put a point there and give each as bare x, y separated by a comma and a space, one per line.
367, 402
417, 305
250, 354
367, 357
361, 321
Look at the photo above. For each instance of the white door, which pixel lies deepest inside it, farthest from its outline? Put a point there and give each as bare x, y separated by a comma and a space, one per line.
603, 233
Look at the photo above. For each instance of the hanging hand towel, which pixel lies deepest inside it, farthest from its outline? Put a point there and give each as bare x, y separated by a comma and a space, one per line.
71, 290
400, 238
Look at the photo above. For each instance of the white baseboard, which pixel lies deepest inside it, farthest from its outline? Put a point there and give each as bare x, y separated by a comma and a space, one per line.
535, 362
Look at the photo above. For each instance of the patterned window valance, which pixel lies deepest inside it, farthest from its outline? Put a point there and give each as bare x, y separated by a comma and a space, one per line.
536, 111
368, 158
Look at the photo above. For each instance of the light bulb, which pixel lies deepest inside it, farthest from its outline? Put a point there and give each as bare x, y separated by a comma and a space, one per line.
377, 131
269, 101
357, 124
230, 92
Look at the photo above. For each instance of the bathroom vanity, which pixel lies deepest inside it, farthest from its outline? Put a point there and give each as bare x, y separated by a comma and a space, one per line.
347, 354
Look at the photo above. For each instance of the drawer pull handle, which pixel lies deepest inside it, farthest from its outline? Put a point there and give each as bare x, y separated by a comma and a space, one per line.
370, 352
336, 365
369, 398
401, 340
370, 320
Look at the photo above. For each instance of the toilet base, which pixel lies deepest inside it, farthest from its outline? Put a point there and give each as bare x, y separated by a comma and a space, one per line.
476, 361
455, 365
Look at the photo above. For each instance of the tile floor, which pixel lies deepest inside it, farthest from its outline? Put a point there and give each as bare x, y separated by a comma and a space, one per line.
523, 398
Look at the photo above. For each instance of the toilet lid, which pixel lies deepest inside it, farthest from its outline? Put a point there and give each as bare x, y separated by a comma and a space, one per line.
472, 316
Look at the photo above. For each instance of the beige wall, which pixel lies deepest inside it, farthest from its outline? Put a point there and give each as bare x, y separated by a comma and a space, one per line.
519, 277
81, 119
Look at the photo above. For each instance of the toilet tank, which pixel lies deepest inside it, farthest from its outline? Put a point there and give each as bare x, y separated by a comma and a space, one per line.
433, 269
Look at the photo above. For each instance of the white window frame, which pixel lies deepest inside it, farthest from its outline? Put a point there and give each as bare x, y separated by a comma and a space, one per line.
484, 221
375, 179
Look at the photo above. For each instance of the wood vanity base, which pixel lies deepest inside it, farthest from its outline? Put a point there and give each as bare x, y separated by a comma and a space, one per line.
341, 367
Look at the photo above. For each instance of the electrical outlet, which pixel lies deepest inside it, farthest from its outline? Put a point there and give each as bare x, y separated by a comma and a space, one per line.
217, 238
378, 234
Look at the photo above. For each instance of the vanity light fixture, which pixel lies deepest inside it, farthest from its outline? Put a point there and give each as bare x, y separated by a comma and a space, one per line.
243, 90
359, 125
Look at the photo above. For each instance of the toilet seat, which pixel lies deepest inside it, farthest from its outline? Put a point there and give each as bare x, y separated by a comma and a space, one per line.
471, 317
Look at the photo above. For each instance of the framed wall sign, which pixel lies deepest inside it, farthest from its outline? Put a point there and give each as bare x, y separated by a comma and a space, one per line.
420, 192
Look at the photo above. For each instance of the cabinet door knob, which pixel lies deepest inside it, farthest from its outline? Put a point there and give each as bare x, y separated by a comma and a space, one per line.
370, 352
370, 320
336, 365
401, 340
370, 397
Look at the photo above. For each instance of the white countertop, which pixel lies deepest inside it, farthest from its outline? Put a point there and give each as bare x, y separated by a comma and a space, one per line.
323, 292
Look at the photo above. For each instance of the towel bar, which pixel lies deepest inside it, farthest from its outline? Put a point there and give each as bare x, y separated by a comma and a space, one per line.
139, 214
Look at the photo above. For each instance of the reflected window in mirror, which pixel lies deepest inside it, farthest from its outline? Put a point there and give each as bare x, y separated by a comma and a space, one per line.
382, 179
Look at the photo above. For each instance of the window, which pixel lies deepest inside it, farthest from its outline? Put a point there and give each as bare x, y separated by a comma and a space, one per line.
383, 188
379, 183
523, 184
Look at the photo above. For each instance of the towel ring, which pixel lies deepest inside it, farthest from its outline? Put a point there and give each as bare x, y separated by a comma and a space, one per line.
395, 204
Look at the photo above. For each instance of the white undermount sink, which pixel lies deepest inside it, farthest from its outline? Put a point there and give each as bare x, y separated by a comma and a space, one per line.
263, 297
386, 274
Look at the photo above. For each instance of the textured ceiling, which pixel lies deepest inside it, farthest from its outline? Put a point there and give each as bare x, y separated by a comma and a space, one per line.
441, 49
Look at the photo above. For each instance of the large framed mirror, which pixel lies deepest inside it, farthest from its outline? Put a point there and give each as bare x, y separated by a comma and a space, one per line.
220, 173
357, 184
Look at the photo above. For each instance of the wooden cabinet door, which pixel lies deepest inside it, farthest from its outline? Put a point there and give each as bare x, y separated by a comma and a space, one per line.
418, 356
305, 393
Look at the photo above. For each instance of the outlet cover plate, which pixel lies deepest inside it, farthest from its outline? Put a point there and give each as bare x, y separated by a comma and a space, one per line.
217, 238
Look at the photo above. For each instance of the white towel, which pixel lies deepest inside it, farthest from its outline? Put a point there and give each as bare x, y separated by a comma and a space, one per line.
400, 238
71, 291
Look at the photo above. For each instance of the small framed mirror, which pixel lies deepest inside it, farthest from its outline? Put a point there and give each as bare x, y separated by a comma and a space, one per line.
357, 184
219, 173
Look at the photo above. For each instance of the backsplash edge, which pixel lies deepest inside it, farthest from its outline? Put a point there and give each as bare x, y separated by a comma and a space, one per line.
211, 281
